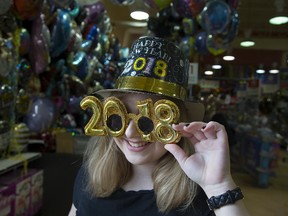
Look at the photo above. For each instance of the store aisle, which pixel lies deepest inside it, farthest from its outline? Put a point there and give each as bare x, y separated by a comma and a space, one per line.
269, 201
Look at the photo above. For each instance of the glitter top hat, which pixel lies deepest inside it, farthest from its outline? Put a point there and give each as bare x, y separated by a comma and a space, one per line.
156, 66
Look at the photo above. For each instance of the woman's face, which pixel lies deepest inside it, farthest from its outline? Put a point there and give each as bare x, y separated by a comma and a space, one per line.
137, 151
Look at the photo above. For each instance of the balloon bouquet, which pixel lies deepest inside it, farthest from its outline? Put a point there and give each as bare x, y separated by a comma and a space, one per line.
52, 53
199, 26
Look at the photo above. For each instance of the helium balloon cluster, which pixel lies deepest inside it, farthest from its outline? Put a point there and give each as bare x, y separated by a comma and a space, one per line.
198, 26
52, 53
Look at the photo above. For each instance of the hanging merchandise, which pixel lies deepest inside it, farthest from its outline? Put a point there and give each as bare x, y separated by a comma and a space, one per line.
52, 54
199, 26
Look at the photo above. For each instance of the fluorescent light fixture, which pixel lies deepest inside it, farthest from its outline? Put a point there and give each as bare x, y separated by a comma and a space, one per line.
228, 58
274, 71
247, 43
216, 66
208, 72
260, 71
279, 20
139, 15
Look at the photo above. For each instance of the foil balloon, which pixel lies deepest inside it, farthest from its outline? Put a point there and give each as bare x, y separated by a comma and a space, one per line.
5, 6
215, 16
188, 8
189, 26
86, 2
122, 2
230, 33
41, 115
74, 105
61, 33
215, 45
94, 13
24, 71
157, 4
6, 96
25, 40
201, 43
39, 55
21, 136
6, 56
80, 65
22, 102
61, 3
186, 45
27, 9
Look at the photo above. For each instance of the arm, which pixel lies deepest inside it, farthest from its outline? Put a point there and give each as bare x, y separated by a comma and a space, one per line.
209, 166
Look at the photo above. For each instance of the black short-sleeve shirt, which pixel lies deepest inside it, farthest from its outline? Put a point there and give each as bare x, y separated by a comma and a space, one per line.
129, 203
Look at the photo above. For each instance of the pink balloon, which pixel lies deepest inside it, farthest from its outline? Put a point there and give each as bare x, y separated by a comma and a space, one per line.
39, 53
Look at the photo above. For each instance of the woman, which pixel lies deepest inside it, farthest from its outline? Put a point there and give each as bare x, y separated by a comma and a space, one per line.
153, 155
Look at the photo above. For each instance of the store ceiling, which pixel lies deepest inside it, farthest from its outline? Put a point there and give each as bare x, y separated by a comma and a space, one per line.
271, 41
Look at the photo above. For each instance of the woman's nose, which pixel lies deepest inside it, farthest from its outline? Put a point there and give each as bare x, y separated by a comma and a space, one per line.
131, 130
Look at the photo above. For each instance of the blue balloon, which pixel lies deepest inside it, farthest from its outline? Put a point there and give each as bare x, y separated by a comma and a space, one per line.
231, 31
215, 16
61, 33
80, 65
41, 115
201, 43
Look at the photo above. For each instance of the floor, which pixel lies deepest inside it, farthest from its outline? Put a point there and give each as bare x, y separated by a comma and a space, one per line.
271, 200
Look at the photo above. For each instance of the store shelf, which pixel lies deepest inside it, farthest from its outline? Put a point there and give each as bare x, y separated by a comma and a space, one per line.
15, 161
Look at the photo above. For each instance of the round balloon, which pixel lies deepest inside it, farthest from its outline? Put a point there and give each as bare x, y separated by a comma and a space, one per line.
187, 46
188, 8
201, 43
215, 16
215, 45
41, 114
189, 26
27, 9
230, 33
158, 4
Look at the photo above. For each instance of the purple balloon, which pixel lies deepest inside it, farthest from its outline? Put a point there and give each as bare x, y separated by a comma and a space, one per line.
39, 53
41, 114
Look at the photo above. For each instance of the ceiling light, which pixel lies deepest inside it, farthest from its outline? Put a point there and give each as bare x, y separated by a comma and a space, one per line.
260, 71
228, 58
208, 72
273, 71
216, 66
247, 43
139, 15
278, 20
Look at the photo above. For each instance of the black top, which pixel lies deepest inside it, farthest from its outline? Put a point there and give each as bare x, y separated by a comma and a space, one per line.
129, 203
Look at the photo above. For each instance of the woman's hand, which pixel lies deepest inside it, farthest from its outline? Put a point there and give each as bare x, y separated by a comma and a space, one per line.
210, 164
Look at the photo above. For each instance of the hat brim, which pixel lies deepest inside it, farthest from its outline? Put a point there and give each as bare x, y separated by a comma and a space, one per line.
195, 110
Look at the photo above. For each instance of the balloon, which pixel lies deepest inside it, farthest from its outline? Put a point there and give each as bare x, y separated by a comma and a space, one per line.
6, 96
86, 2
25, 40
94, 13
5, 6
189, 26
22, 102
233, 3
188, 8
201, 43
61, 33
122, 2
21, 135
27, 9
157, 4
74, 105
41, 114
80, 65
231, 31
215, 16
215, 45
186, 45
39, 53
6, 57
24, 72
61, 3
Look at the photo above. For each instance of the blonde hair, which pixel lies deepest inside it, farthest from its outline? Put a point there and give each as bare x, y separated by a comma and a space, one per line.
108, 170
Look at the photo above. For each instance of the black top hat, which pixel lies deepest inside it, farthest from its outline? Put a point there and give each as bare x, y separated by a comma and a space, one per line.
156, 66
